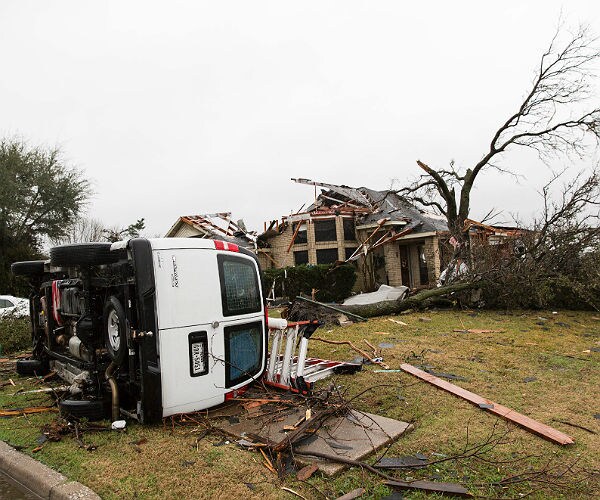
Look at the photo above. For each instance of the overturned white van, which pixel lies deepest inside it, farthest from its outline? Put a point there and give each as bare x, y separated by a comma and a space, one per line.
147, 327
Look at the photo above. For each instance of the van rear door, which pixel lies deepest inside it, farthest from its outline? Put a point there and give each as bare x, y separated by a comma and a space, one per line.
211, 323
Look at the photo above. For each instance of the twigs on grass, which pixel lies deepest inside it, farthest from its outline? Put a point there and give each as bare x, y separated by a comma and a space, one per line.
364, 354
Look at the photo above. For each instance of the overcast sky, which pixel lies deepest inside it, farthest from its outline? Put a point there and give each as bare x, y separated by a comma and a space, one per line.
177, 108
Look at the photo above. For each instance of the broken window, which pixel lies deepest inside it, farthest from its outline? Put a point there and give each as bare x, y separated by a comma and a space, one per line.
423, 272
348, 251
349, 231
301, 235
301, 257
325, 230
327, 256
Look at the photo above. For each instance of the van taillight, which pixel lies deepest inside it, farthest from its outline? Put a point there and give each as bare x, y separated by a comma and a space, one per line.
235, 393
223, 245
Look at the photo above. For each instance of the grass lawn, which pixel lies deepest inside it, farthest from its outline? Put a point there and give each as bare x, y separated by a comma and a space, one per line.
543, 365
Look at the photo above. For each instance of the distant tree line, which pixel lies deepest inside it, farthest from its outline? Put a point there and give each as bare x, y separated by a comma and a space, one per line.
42, 199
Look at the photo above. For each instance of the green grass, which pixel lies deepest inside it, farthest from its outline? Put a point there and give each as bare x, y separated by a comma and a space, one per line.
556, 352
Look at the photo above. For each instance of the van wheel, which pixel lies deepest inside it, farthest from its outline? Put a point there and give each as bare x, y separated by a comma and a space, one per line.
83, 254
32, 367
115, 330
83, 408
28, 268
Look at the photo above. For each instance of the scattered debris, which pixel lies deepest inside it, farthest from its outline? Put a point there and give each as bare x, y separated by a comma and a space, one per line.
534, 426
431, 487
425, 319
575, 425
61, 388
408, 461
306, 472
449, 376
290, 490
118, 425
398, 322
8, 382
477, 330
386, 345
16, 412
294, 371
387, 371
351, 495
385, 292
303, 309
380, 333
527, 380
352, 346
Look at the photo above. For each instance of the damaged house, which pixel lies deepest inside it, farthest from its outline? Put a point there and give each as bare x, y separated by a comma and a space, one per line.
389, 240
219, 226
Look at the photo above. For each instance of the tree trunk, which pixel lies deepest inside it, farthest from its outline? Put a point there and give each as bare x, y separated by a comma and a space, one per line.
419, 300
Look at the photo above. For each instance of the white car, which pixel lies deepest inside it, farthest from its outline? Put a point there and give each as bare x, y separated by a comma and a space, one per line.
13, 306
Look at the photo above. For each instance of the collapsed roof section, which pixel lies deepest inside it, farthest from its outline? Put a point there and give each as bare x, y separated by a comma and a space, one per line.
219, 225
384, 215
367, 205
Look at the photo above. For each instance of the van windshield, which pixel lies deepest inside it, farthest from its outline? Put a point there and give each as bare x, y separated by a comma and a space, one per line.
240, 292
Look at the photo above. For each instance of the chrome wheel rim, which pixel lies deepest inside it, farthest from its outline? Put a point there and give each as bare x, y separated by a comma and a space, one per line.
114, 338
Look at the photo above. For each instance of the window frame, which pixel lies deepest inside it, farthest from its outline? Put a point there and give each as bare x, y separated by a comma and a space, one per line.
325, 221
221, 259
245, 376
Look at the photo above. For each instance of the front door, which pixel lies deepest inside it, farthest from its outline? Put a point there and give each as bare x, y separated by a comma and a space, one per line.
405, 266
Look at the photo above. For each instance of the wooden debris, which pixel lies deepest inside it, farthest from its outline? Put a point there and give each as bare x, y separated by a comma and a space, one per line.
380, 333
351, 495
290, 490
530, 424
306, 472
431, 486
16, 412
398, 322
477, 330
47, 389
268, 464
424, 318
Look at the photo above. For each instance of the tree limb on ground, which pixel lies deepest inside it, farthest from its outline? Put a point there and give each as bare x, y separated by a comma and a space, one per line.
418, 300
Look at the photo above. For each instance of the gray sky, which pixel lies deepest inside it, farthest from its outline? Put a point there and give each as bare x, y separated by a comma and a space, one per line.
176, 108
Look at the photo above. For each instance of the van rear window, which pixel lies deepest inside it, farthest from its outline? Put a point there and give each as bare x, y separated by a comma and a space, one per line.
243, 352
240, 292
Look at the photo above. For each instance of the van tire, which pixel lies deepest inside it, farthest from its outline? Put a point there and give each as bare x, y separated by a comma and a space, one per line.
83, 254
28, 268
32, 367
83, 408
115, 329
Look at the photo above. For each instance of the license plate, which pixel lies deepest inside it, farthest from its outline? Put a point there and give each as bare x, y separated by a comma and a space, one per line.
198, 360
198, 343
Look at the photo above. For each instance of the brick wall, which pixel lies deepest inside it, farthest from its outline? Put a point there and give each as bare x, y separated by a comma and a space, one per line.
432, 254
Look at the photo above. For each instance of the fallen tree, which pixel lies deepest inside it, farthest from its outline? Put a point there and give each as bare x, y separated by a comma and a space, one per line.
426, 298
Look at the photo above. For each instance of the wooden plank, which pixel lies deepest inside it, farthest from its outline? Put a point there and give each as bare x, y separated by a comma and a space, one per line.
431, 486
530, 424
294, 237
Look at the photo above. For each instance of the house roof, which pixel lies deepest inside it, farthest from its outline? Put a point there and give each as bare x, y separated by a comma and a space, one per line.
216, 226
371, 206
